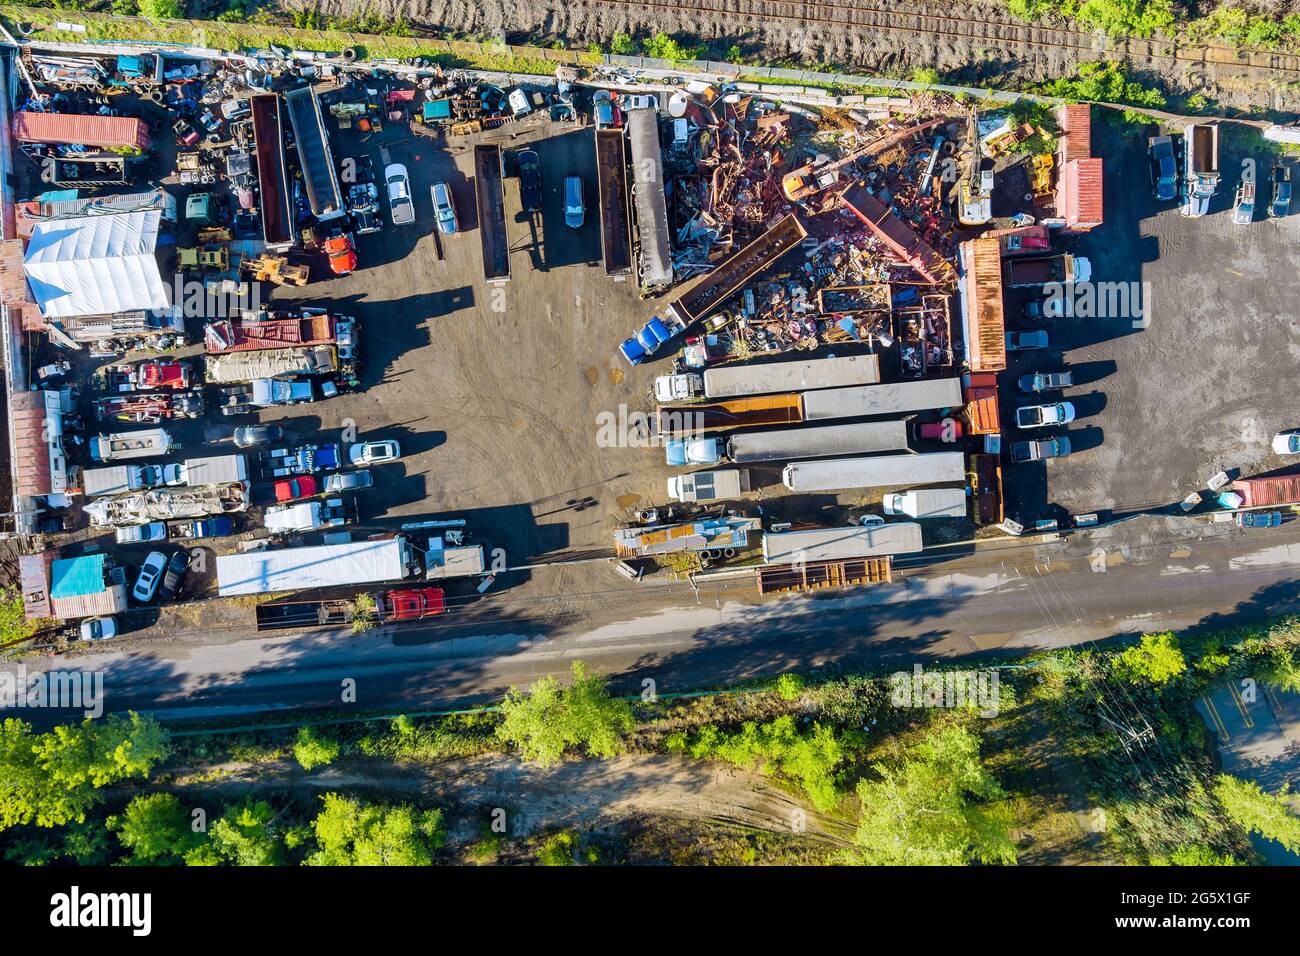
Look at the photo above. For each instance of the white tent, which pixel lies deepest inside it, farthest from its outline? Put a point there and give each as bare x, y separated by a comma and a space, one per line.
96, 265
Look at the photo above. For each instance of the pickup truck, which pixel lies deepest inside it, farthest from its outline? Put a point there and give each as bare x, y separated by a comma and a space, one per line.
220, 526
1045, 381
1041, 416
303, 460
1040, 449
310, 515
694, 451
264, 392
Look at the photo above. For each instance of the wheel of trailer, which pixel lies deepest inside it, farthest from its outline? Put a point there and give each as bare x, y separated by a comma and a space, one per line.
351, 53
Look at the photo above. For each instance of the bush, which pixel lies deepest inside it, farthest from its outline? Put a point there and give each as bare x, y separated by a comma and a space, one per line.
549, 719
162, 10
663, 47
557, 849
313, 749
622, 45
1105, 81
1157, 660
789, 687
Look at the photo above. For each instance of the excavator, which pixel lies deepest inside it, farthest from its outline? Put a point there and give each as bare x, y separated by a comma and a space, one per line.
975, 190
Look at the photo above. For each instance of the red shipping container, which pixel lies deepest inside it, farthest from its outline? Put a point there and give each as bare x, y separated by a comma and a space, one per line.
106, 132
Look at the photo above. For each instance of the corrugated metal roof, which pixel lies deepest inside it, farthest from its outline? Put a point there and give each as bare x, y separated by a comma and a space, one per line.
66, 128
32, 473
75, 577
1079, 195
108, 601
1075, 123
1272, 490
34, 579
984, 321
982, 414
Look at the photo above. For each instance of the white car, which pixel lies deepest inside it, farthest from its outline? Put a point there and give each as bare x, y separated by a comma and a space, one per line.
637, 101
99, 629
136, 534
151, 572
1287, 443
399, 194
373, 453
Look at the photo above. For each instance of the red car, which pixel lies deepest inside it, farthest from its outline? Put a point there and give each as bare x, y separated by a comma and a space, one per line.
291, 489
410, 604
342, 253
164, 373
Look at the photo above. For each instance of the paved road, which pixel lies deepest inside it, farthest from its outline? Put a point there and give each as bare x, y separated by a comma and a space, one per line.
1118, 581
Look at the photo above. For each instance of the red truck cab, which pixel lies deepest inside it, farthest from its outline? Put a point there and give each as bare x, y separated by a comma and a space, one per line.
410, 604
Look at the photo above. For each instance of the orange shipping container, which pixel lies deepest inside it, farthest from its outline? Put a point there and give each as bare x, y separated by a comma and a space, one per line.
106, 132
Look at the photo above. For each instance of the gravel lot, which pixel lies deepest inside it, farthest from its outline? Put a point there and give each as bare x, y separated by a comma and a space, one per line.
1213, 375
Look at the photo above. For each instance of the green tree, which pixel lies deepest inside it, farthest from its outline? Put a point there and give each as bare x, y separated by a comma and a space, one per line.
663, 47
51, 779
1156, 659
313, 749
936, 805
549, 719
244, 835
162, 9
350, 833
14, 625
156, 828
789, 687
1281, 670
1256, 811
622, 45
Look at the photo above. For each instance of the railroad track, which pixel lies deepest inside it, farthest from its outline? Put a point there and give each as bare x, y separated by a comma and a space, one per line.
993, 32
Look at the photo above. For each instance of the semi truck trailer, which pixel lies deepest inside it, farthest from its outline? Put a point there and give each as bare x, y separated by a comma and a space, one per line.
837, 474
320, 566
838, 544
734, 381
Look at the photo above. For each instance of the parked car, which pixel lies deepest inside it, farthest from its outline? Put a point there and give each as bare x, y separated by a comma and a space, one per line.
1024, 341
291, 489
174, 576
1164, 167
1040, 449
444, 209
1052, 307
373, 453
150, 576
342, 253
99, 629
637, 101
575, 208
530, 180
1281, 204
349, 481
246, 436
1287, 443
399, 194
1040, 416
1259, 519
140, 533
603, 111
1045, 381
1243, 207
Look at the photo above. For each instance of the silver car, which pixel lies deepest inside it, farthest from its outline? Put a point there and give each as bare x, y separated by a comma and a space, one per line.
349, 481
399, 194
150, 576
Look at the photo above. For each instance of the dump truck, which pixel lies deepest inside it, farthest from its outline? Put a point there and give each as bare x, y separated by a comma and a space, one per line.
1033, 271
96, 482
838, 474
250, 366
310, 515
166, 504
319, 566
734, 381
922, 503
314, 156
212, 470
809, 545
120, 445
489, 193
862, 401
1200, 168
717, 485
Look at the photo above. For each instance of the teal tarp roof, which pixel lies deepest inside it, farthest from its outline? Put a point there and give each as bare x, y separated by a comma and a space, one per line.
75, 577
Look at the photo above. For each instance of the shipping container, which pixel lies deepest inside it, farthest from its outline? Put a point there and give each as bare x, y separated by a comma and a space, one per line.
839, 544
734, 381
818, 442
68, 129
1269, 490
838, 474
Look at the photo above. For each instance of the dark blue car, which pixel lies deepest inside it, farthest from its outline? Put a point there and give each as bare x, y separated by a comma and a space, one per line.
1164, 167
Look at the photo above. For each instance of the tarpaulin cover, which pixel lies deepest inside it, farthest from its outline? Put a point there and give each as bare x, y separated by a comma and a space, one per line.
96, 265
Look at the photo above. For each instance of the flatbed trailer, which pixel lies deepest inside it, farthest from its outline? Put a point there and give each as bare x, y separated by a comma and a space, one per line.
733, 413
284, 615
615, 224
489, 194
